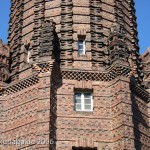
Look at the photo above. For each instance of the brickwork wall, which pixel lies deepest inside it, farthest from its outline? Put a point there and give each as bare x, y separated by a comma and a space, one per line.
21, 111
122, 127
45, 111
27, 116
112, 124
2, 118
85, 129
141, 123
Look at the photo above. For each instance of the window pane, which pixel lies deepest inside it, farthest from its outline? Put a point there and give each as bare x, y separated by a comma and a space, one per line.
78, 101
80, 47
80, 42
87, 107
77, 95
87, 95
78, 106
81, 52
87, 101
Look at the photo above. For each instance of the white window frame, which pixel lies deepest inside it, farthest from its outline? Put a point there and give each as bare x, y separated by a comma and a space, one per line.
83, 102
83, 44
28, 55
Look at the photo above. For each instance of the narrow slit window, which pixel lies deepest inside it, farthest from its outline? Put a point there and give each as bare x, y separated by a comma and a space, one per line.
83, 148
28, 55
81, 46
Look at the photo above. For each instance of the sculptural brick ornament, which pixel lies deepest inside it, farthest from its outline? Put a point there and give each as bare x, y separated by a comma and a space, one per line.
72, 78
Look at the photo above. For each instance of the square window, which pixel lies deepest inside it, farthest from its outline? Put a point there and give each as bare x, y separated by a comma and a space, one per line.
83, 101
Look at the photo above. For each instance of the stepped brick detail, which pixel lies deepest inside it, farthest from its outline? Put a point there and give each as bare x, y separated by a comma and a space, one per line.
146, 67
4, 62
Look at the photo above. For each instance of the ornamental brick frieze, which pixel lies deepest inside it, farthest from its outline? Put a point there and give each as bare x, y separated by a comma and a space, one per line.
112, 73
20, 85
43, 67
30, 80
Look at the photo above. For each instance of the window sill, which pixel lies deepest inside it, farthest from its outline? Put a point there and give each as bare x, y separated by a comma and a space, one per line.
81, 55
84, 112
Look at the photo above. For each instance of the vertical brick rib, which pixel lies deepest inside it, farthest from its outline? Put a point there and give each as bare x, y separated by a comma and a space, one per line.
96, 31
135, 51
66, 32
15, 36
99, 32
38, 21
125, 15
2, 119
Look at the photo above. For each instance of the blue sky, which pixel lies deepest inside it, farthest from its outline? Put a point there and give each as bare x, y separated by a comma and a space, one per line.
142, 13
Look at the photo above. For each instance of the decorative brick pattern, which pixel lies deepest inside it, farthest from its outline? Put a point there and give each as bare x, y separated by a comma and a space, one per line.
4, 62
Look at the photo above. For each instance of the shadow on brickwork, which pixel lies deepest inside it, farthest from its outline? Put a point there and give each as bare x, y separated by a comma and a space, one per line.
56, 82
56, 48
138, 120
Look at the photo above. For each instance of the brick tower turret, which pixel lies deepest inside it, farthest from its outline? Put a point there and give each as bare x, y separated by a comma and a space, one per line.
76, 79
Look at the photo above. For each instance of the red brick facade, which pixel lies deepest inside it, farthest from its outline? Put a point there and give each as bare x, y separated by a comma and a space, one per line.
37, 104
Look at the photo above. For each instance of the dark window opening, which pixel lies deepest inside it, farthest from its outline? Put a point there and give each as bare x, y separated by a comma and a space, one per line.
83, 148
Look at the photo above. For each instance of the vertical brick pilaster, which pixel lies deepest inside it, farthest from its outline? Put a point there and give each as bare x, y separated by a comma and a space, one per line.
2, 120
43, 112
123, 133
